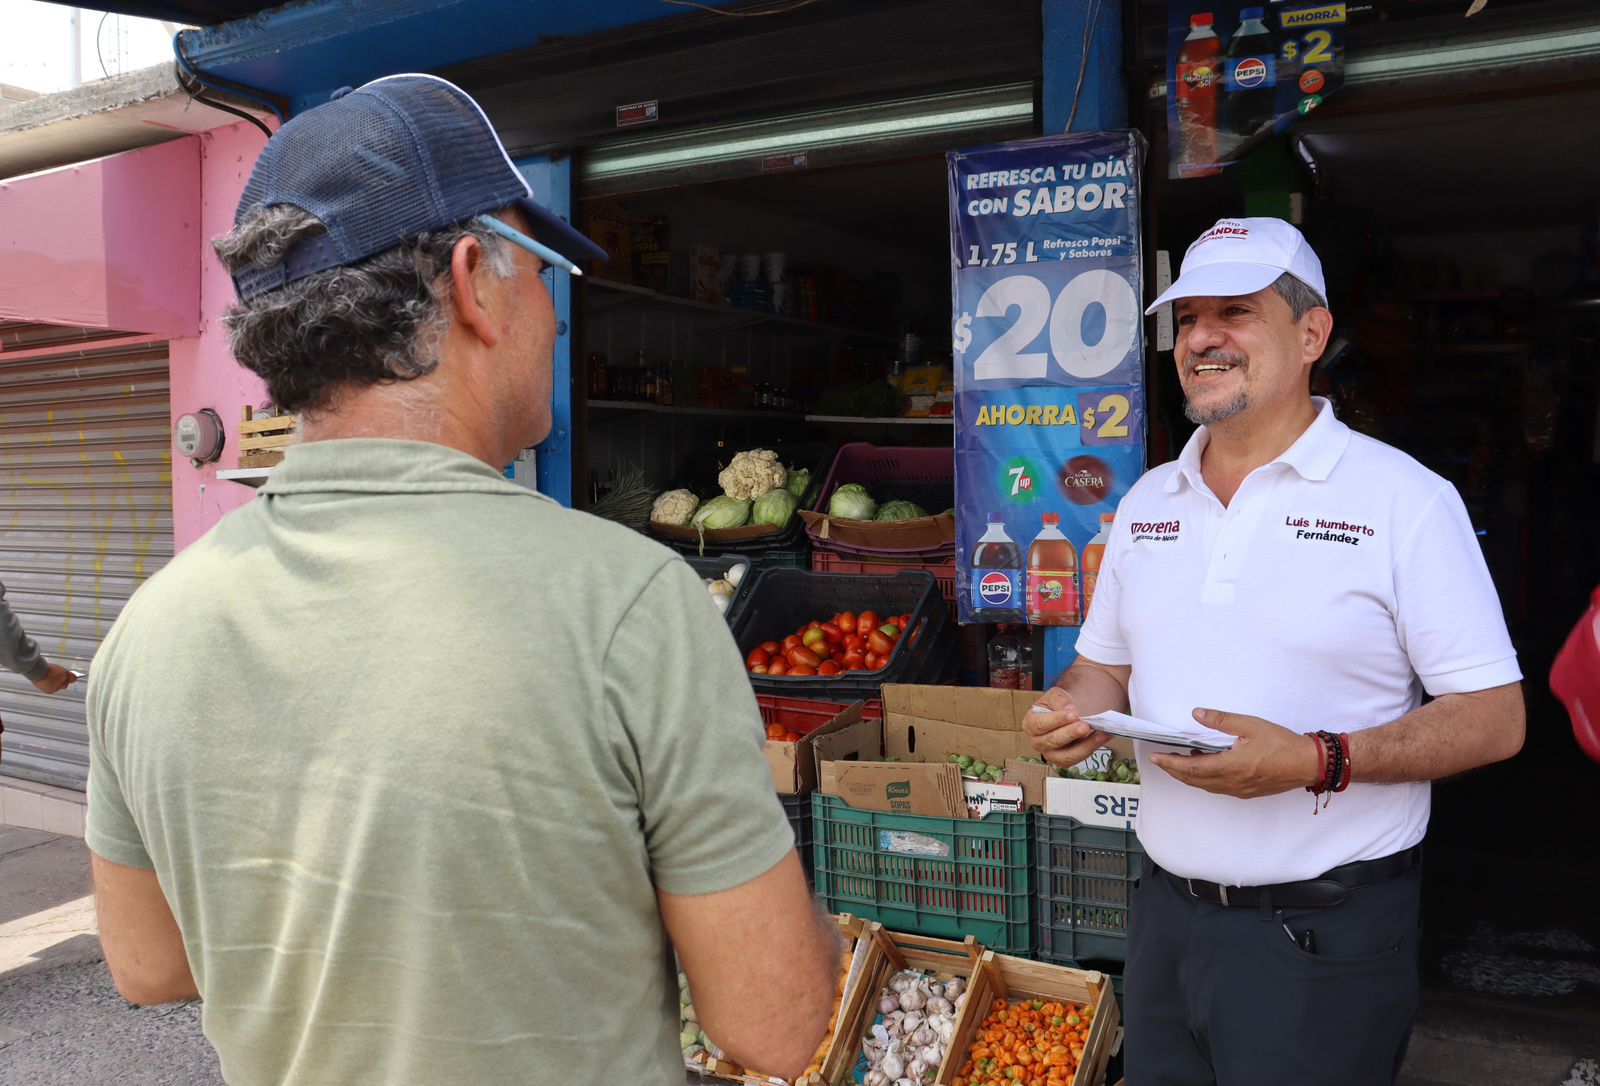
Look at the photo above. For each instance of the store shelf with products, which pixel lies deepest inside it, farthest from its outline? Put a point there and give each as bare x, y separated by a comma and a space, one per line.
713, 318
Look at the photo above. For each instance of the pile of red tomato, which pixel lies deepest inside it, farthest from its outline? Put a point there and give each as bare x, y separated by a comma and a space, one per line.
846, 642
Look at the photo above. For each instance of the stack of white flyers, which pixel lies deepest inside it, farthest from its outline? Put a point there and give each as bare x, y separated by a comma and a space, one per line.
1187, 734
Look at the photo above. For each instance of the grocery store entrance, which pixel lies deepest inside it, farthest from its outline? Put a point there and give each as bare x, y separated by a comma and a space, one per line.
1466, 292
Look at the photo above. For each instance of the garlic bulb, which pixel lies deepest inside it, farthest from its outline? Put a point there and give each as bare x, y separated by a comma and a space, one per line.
924, 1036
906, 1082
954, 988
933, 988
917, 1068
875, 1078
946, 1030
903, 983
912, 1022
913, 1000
939, 1005
888, 1003
892, 1065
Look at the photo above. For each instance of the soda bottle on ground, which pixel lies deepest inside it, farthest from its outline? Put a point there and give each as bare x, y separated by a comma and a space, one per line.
1250, 102
1199, 89
1052, 577
1004, 669
996, 575
1093, 553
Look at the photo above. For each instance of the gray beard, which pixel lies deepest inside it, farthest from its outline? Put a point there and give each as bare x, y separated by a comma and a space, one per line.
1220, 413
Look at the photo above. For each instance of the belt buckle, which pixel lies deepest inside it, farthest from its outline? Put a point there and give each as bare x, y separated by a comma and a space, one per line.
1222, 892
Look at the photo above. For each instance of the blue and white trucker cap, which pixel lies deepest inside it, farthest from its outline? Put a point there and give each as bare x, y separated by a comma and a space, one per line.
1241, 256
379, 165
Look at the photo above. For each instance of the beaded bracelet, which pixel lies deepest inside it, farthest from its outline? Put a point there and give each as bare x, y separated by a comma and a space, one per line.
1344, 755
1332, 754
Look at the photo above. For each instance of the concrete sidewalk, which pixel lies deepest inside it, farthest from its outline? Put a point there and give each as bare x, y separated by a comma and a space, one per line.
62, 1022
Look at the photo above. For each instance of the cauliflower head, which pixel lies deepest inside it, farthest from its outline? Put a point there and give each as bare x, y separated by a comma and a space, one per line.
752, 474
675, 507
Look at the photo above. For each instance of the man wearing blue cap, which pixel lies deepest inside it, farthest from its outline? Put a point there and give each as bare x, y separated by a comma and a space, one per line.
1297, 587
411, 773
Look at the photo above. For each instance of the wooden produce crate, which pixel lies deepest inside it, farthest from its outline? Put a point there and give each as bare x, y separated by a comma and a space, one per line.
887, 953
262, 440
856, 954
999, 976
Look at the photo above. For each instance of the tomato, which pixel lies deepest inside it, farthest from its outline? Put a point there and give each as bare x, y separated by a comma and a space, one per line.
829, 667
867, 621
771, 648
756, 658
823, 650
880, 643
776, 731
780, 666
855, 643
871, 661
814, 637
791, 737
832, 633
855, 660
790, 642
847, 621
759, 669
802, 669
882, 662
813, 625
800, 655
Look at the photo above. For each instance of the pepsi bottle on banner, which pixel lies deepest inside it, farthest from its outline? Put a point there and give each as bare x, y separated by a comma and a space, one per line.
997, 575
1250, 102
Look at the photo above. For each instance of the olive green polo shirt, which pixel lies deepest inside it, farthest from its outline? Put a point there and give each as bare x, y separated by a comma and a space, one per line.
411, 750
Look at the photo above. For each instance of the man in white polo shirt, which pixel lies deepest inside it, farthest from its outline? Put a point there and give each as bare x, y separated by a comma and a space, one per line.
1299, 586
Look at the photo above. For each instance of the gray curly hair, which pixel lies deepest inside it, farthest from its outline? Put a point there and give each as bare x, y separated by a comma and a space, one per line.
377, 321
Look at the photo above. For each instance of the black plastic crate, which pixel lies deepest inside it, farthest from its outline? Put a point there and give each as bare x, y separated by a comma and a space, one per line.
699, 473
798, 808
1085, 875
715, 566
785, 599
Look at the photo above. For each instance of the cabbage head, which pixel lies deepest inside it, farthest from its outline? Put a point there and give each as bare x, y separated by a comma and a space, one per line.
776, 507
798, 482
901, 510
721, 512
852, 502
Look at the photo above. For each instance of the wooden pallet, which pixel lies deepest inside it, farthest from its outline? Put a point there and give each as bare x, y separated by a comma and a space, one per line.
262, 440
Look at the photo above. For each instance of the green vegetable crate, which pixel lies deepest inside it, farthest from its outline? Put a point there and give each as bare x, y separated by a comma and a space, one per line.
943, 877
798, 808
1085, 874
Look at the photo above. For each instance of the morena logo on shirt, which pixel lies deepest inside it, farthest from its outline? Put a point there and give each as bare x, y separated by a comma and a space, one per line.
1160, 531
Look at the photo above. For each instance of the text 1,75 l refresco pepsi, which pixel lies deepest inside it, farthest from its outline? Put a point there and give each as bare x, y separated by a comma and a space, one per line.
997, 575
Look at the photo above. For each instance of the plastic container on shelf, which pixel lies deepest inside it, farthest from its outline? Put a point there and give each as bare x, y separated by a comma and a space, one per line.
716, 566
926, 476
1085, 874
699, 474
798, 808
942, 569
783, 600
945, 877
806, 715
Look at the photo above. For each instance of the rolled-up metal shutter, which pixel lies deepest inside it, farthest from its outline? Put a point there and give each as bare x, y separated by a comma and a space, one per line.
85, 515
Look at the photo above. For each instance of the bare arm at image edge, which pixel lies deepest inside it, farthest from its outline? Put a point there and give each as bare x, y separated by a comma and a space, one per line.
1447, 736
745, 978
143, 947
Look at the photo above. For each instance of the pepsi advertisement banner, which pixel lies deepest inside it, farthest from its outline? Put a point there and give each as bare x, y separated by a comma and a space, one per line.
1239, 72
1048, 342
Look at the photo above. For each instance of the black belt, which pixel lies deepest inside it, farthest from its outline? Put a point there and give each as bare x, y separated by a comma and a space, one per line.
1329, 888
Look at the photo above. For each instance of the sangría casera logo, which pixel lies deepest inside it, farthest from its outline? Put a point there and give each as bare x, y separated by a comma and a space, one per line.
1250, 73
995, 588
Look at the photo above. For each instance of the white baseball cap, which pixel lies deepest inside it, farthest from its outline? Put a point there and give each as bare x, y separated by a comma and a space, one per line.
1241, 256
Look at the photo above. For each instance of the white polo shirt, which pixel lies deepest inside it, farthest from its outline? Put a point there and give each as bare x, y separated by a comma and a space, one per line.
1342, 581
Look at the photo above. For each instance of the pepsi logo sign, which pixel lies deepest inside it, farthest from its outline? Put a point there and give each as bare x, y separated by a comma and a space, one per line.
1250, 73
995, 588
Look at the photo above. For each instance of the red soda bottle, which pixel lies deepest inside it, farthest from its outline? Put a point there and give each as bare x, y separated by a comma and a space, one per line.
1199, 87
1053, 577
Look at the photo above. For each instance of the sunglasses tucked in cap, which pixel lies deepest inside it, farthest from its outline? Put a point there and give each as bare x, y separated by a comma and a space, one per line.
398, 157
1241, 256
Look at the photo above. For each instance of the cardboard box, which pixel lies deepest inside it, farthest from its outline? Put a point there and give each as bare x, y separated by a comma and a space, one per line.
1096, 803
844, 738
922, 727
930, 723
896, 787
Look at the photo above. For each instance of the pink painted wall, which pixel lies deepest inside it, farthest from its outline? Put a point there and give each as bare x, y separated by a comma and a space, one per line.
204, 373
110, 243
